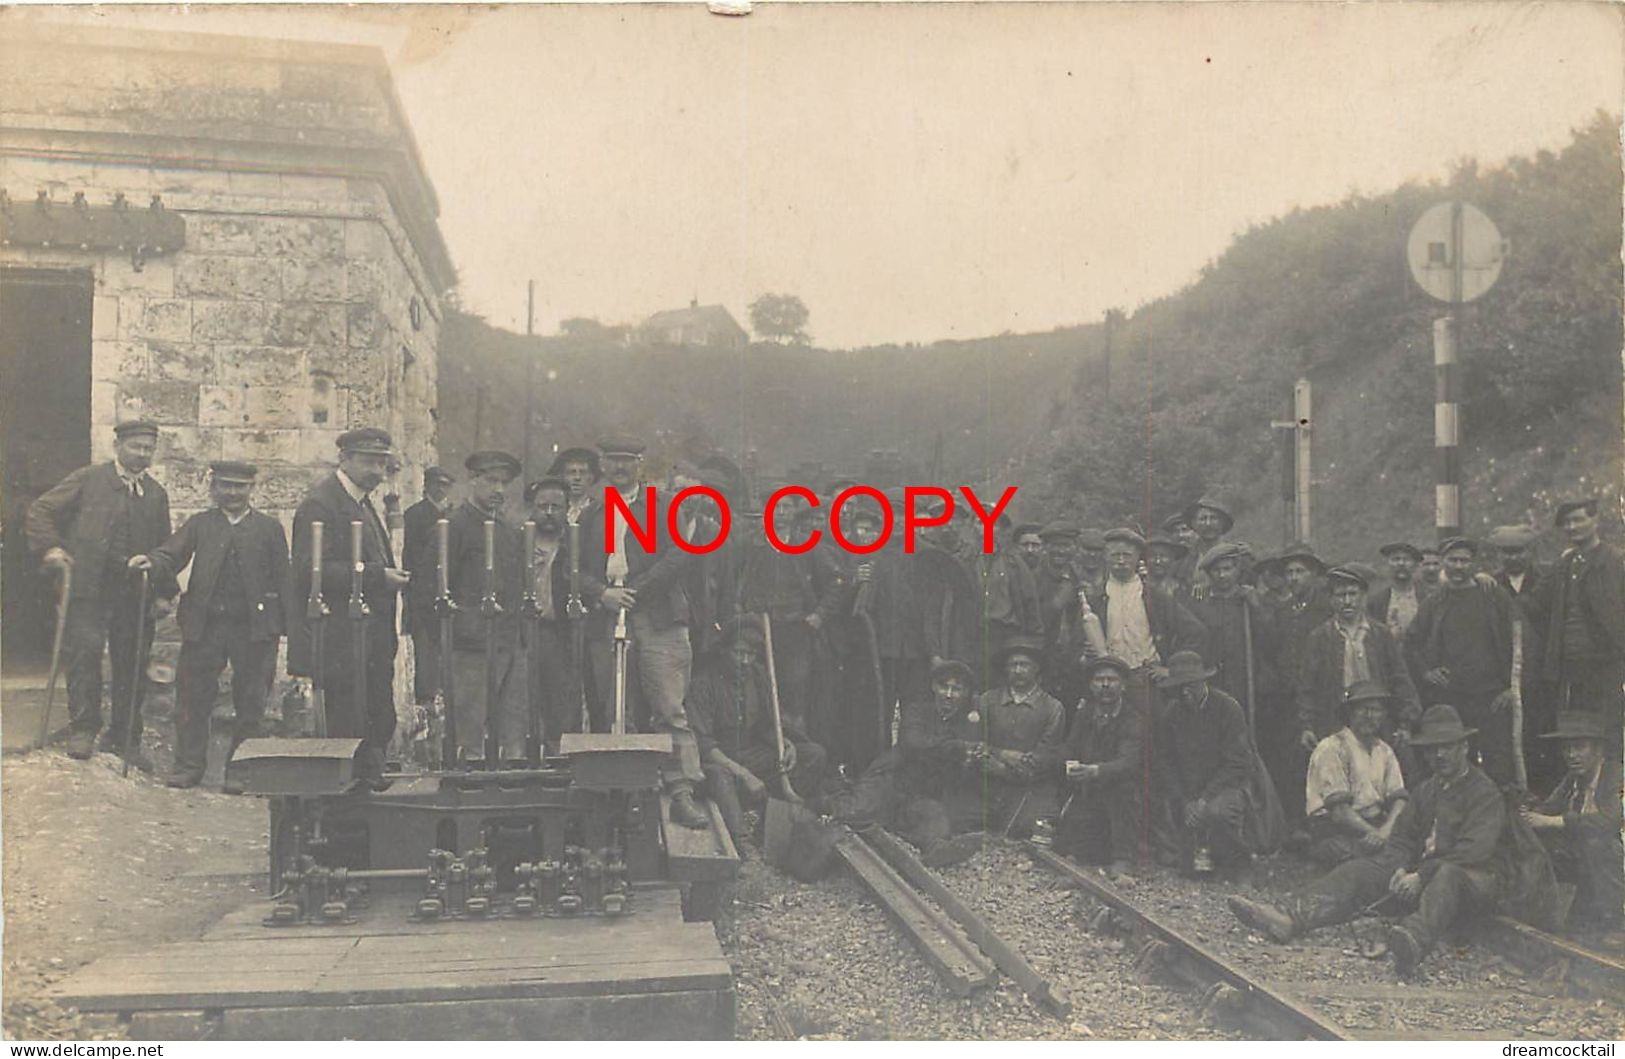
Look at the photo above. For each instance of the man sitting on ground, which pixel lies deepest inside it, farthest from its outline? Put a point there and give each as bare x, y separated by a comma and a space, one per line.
1355, 791
1579, 823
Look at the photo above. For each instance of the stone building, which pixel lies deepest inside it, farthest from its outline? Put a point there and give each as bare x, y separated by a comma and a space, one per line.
234, 237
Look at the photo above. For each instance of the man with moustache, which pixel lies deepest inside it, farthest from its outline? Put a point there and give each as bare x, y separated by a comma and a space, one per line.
1529, 586
555, 684
419, 558
1585, 637
1355, 790
1348, 649
1579, 822
1210, 520
1461, 644
1165, 559
1014, 744
1240, 636
338, 500
1103, 820
1396, 603
1029, 545
1141, 625
232, 612
94, 520
1057, 583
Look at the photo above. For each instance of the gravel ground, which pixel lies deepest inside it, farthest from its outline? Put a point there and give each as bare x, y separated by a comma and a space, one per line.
95, 863
824, 962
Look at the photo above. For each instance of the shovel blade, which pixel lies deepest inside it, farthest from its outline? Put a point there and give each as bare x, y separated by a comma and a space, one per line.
778, 825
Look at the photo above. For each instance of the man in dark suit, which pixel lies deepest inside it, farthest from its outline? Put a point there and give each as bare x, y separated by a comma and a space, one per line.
95, 519
619, 573
1585, 638
419, 557
1529, 585
338, 501
1579, 822
1396, 603
232, 612
555, 685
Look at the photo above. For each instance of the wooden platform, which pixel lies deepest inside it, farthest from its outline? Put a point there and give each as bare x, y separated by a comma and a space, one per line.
645, 976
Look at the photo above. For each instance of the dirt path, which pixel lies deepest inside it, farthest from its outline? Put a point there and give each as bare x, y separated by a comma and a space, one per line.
95, 864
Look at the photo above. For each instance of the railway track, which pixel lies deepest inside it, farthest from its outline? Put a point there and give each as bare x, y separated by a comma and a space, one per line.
1510, 982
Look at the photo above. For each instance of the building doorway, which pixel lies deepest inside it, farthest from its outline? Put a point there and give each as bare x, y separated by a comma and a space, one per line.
44, 433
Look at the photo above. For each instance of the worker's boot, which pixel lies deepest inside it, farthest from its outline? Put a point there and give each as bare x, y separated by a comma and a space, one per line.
686, 814
81, 745
1405, 949
1264, 918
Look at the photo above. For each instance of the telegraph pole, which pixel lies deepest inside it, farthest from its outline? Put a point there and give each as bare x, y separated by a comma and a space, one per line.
1296, 465
530, 376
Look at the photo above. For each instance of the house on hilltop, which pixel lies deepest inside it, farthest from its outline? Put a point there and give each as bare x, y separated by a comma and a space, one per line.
698, 325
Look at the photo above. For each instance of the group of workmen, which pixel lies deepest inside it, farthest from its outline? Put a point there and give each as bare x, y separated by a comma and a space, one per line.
1441, 738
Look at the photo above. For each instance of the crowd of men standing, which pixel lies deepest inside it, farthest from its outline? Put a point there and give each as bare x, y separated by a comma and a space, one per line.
1172, 696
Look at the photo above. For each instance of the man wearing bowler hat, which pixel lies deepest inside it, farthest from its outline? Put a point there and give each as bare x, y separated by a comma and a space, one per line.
419, 558
232, 612
1585, 638
1579, 822
337, 501
1461, 644
94, 520
1103, 819
489, 701
651, 586
1445, 861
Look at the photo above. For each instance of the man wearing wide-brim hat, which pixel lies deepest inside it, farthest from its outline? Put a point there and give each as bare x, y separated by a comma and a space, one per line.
1220, 801
234, 611
1395, 604
1585, 638
1103, 820
420, 558
1014, 741
1461, 644
1240, 630
1446, 860
94, 520
487, 702
339, 501
1579, 822
1355, 789
1210, 519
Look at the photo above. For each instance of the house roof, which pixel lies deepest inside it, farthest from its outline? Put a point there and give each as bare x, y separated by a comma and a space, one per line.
714, 316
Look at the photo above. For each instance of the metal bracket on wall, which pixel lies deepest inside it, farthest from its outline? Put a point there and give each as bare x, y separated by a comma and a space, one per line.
144, 234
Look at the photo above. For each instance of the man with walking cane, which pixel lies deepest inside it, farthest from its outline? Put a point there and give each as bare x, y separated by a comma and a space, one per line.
353, 553
93, 521
232, 612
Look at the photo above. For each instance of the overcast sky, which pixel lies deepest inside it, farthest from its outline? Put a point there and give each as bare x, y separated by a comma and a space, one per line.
918, 172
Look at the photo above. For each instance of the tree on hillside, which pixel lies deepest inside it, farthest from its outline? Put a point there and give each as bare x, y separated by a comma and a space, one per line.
780, 318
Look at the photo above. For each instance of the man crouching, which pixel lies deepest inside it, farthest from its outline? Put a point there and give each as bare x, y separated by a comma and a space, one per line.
1445, 859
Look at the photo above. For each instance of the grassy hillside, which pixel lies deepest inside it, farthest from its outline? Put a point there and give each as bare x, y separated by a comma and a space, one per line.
1193, 379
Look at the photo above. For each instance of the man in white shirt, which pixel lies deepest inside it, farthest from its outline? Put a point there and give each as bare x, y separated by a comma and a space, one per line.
1354, 791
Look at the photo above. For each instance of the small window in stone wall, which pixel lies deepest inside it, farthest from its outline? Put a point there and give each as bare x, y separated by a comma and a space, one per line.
321, 397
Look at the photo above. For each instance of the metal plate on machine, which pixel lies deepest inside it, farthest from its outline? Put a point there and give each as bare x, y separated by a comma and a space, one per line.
602, 761
294, 766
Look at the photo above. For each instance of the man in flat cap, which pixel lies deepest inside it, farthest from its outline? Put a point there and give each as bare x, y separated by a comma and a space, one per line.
419, 557
338, 501
1178, 527
1219, 795
94, 520
730, 706
489, 701
1347, 650
1007, 595
651, 586
1103, 818
233, 611
1579, 823
1396, 603
1430, 568
1585, 638
1445, 861
579, 468
1014, 743
1355, 789
1461, 644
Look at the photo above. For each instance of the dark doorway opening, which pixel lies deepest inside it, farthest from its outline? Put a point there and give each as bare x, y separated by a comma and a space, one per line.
44, 434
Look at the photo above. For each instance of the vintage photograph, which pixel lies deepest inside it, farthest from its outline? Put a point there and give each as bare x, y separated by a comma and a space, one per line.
797, 521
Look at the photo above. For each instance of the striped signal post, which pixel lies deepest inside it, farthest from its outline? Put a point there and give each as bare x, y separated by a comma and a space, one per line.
1446, 428
1455, 254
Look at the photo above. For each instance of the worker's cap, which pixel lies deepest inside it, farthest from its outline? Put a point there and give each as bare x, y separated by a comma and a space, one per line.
1302, 552
1025, 529
1511, 537
1589, 503
1365, 691
1229, 550
234, 471
438, 474
545, 483
574, 454
1400, 548
493, 460
1028, 646
1176, 522
1186, 667
1168, 541
1349, 574
372, 440
1091, 540
1060, 529
1125, 535
132, 428
1453, 544
1094, 665
622, 445
952, 667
